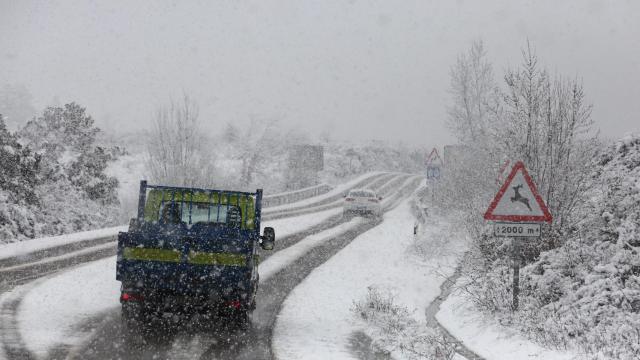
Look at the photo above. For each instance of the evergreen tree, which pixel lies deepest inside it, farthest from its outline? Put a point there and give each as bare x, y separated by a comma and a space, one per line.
66, 138
87, 173
19, 165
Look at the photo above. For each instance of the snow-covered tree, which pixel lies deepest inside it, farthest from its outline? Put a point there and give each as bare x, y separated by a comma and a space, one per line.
535, 118
20, 167
471, 177
53, 177
178, 151
472, 86
65, 137
547, 124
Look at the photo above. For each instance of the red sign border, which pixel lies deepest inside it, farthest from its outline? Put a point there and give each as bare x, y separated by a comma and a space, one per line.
488, 215
431, 159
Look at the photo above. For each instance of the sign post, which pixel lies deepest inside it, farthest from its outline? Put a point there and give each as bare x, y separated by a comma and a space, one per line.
519, 216
434, 164
515, 257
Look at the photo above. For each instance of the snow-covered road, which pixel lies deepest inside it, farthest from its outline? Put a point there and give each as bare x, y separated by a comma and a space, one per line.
47, 320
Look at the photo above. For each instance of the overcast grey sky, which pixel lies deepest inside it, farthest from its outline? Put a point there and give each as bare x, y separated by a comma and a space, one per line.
362, 69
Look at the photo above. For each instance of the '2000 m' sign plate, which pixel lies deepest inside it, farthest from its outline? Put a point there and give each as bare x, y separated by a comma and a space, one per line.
516, 229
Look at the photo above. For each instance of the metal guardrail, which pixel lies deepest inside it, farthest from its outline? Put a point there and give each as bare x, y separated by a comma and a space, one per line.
293, 196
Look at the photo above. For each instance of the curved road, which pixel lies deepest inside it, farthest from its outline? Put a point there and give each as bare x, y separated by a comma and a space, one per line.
18, 271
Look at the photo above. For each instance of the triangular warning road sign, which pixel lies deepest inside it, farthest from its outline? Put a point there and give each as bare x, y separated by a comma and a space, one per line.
525, 204
433, 157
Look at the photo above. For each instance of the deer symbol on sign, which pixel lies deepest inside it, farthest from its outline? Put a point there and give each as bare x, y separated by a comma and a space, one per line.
520, 198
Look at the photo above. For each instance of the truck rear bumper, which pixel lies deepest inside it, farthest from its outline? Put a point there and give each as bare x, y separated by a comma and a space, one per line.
162, 301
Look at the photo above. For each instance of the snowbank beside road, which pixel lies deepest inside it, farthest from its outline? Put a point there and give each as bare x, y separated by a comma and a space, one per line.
23, 248
316, 321
486, 337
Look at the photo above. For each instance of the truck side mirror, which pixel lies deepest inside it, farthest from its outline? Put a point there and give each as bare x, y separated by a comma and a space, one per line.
268, 238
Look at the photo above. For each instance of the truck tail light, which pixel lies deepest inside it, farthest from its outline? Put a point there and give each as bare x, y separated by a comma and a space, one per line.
349, 199
125, 297
234, 304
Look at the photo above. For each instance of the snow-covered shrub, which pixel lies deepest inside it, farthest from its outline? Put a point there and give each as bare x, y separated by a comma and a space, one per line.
588, 290
64, 209
19, 168
88, 173
17, 220
394, 330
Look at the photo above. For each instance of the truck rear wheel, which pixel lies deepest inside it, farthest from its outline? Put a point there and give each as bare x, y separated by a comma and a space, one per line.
240, 319
134, 319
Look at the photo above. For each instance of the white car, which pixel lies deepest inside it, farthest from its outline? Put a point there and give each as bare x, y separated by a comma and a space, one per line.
362, 202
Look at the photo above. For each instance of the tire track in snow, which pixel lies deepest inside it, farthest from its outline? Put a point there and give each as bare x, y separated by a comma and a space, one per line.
12, 346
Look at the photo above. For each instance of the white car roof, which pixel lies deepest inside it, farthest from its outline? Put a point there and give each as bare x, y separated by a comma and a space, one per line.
362, 193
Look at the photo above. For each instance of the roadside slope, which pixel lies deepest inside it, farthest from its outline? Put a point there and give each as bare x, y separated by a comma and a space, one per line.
316, 321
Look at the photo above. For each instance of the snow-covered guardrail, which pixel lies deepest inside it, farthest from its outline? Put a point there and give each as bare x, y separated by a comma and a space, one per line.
297, 195
55, 245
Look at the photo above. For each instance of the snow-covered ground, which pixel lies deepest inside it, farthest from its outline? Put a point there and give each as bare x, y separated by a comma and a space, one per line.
316, 321
486, 337
54, 308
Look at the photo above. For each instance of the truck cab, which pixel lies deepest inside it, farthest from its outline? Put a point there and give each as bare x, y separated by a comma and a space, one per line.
191, 250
